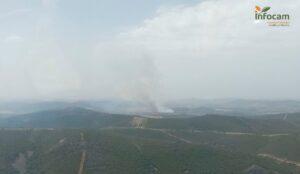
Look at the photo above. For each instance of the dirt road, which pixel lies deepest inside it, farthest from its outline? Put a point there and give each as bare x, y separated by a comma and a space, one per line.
83, 156
281, 160
176, 137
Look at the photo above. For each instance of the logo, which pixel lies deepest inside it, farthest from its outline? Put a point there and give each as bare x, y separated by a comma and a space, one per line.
259, 10
262, 14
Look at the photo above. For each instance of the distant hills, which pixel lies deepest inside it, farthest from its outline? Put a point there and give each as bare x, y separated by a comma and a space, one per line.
70, 117
236, 107
76, 117
178, 108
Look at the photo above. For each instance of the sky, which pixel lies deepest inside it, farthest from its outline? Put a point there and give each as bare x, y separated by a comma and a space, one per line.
147, 50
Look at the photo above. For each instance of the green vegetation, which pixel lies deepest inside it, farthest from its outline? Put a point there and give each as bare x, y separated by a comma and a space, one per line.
134, 151
52, 142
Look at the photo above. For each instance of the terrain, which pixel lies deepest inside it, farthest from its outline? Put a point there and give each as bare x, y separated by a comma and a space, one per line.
84, 141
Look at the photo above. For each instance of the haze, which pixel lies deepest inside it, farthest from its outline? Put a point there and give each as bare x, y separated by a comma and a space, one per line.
146, 50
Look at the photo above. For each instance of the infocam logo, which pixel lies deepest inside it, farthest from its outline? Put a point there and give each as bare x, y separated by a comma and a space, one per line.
271, 19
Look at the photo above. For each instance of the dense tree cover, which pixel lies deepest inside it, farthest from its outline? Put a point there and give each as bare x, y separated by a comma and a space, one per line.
130, 150
52, 142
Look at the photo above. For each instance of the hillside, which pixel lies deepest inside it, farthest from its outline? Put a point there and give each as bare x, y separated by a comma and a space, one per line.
114, 151
73, 117
224, 123
71, 139
84, 118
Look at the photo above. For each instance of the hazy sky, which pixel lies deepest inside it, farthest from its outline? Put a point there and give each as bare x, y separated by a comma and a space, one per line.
150, 49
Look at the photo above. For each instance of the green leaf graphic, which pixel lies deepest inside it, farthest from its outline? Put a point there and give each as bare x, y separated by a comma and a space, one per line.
265, 9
